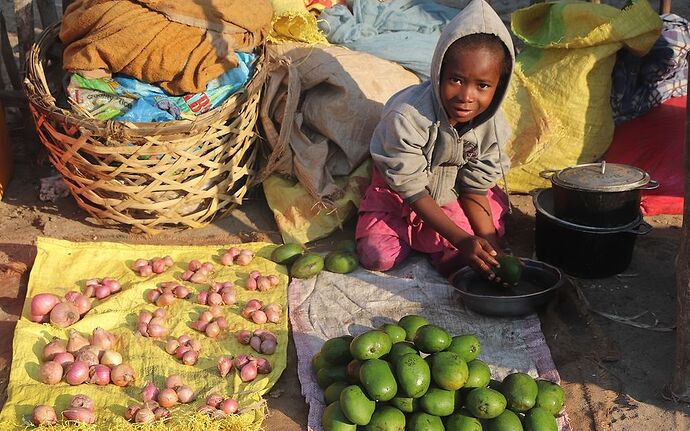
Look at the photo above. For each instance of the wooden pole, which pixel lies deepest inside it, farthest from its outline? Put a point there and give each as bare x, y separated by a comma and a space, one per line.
680, 387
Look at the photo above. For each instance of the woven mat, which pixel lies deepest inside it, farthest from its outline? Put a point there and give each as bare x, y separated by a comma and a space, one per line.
335, 304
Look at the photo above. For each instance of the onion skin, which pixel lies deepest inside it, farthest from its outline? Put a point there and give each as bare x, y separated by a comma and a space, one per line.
122, 375
43, 303
43, 415
64, 314
50, 373
77, 373
80, 414
55, 346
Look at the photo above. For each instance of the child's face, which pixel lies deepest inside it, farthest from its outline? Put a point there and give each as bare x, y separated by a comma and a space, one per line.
469, 80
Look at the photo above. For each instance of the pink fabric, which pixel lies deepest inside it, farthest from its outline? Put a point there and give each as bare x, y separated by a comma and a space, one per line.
388, 229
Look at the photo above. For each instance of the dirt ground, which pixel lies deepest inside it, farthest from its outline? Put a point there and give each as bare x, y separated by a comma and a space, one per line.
614, 373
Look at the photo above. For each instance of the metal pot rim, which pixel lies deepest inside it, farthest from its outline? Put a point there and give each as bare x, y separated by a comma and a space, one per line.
541, 209
631, 185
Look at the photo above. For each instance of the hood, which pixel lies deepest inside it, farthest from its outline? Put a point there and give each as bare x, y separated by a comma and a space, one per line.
476, 17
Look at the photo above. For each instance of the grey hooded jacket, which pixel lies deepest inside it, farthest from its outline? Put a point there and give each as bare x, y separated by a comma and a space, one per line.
417, 150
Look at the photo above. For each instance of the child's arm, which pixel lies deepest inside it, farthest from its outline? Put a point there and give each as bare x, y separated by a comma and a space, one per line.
478, 212
475, 250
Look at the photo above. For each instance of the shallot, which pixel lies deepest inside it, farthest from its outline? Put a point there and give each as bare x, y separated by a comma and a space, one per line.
43, 415
149, 392
77, 373
99, 374
224, 365
80, 414
248, 371
229, 406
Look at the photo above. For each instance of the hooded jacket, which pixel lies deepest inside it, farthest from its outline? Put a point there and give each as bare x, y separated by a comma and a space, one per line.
417, 150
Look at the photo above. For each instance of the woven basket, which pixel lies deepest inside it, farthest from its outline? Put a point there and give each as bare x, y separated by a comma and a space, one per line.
150, 176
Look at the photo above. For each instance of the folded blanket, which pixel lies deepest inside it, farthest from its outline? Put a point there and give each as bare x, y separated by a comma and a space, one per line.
126, 36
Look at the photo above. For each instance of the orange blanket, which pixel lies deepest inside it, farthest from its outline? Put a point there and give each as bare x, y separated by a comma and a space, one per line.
179, 46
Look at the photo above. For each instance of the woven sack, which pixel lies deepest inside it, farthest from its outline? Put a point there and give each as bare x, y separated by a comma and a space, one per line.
149, 176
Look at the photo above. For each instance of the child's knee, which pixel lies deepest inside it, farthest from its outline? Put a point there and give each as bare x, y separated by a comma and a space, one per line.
381, 252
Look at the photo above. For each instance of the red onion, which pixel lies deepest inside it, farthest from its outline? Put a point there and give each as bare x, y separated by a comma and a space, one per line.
243, 336
165, 299
248, 371
254, 304
76, 341
157, 331
263, 366
90, 291
152, 295
80, 414
39, 318
83, 304
168, 261
64, 314
99, 375
43, 415
272, 316
206, 267
185, 394
212, 330
112, 284
187, 275
255, 343
228, 297
233, 251
71, 295
274, 280
214, 299
50, 373
145, 271
263, 284
206, 410
102, 292
180, 351
157, 321
151, 405
240, 361
194, 344
243, 259
214, 400
190, 357
161, 413
77, 373
268, 347
43, 303
88, 356
143, 329
199, 325
158, 266
171, 345
224, 365
193, 265
184, 339
149, 392
173, 381
226, 259
250, 284
122, 375
222, 323
202, 297
160, 313
144, 416
131, 412
145, 317
206, 316
198, 277
111, 358
139, 263
216, 310
258, 316
54, 347
167, 397
229, 406
63, 358
102, 339
181, 292
82, 401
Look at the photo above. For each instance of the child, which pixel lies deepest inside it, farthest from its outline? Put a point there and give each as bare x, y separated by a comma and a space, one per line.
437, 152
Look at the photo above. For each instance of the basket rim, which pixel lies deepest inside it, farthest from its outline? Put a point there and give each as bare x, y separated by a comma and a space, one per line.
39, 95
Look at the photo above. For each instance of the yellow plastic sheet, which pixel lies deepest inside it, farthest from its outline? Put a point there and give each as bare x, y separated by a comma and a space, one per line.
559, 102
301, 218
62, 265
293, 22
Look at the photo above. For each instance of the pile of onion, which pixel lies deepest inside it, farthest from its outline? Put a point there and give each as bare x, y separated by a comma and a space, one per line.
211, 322
219, 293
81, 409
157, 265
218, 407
166, 293
236, 256
152, 324
101, 288
257, 312
261, 340
156, 402
249, 366
256, 281
184, 348
80, 360
197, 272
60, 312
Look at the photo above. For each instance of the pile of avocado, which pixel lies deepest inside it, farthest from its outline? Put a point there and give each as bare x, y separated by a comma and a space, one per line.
303, 264
414, 376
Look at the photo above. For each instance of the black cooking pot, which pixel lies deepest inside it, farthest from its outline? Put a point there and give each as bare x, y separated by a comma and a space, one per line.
599, 194
583, 251
537, 286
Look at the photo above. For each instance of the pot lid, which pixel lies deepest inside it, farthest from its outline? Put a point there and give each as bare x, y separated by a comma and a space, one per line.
601, 177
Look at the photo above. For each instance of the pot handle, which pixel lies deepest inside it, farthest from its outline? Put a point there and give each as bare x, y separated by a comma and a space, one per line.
548, 173
651, 185
641, 229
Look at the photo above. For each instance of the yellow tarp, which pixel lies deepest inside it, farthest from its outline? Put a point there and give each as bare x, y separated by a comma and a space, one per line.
559, 103
301, 218
293, 22
62, 265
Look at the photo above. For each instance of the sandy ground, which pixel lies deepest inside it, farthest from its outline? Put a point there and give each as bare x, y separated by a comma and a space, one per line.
614, 374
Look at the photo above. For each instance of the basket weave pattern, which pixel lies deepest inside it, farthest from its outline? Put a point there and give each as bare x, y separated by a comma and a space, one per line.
150, 176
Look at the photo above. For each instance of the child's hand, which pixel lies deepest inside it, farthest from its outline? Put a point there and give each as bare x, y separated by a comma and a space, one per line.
479, 254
